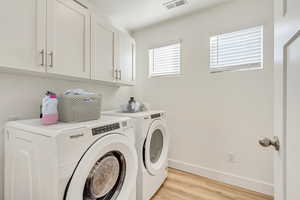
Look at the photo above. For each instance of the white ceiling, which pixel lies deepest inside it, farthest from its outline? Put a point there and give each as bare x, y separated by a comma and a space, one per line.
136, 14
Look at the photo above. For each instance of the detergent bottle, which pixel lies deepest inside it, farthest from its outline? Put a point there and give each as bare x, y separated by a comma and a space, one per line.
49, 109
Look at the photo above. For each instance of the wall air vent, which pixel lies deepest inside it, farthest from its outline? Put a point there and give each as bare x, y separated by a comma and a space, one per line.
174, 3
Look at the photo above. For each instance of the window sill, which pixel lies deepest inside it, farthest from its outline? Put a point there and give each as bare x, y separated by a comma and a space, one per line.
236, 68
166, 76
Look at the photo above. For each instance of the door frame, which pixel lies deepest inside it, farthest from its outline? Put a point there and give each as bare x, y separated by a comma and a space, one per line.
281, 157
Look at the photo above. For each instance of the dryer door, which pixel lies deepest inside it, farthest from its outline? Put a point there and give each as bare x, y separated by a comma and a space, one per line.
107, 171
156, 147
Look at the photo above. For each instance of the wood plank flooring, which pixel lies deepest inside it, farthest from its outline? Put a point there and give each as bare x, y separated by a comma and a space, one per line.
185, 186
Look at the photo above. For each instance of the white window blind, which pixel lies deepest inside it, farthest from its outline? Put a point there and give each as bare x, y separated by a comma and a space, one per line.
165, 60
237, 50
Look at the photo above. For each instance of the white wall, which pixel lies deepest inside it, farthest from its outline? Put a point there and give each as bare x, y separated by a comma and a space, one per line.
21, 97
212, 115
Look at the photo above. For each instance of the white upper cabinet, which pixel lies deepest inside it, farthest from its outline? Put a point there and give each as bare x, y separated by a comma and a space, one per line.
62, 37
126, 55
22, 35
68, 38
103, 51
113, 54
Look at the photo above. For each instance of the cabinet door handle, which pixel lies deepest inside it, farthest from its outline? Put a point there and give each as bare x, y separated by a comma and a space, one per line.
284, 7
116, 75
51, 58
120, 74
42, 53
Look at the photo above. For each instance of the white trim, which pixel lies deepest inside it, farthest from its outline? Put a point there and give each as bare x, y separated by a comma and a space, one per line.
166, 75
284, 109
247, 67
244, 182
169, 75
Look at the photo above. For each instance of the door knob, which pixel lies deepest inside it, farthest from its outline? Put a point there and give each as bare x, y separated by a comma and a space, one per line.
266, 142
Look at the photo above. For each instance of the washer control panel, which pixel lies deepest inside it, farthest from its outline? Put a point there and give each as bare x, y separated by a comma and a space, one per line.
106, 128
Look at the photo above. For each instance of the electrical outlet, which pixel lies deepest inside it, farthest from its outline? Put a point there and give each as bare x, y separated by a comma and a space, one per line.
231, 158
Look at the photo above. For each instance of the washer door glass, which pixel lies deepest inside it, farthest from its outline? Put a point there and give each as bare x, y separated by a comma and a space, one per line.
156, 145
105, 178
106, 171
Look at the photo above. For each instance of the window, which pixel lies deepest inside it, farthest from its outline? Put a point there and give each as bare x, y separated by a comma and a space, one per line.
238, 50
165, 60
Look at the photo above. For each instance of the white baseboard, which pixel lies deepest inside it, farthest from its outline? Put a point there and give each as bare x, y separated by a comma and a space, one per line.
243, 182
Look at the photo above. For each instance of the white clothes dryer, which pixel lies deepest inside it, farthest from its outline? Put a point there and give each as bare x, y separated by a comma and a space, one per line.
93, 160
152, 144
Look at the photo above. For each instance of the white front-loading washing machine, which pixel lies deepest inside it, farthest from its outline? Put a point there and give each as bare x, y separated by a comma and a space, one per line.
152, 143
94, 160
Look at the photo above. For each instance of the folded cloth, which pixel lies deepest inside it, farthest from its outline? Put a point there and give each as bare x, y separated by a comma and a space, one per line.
77, 92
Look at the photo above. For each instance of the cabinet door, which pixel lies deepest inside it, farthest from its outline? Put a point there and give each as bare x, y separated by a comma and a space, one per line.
126, 57
68, 38
22, 34
103, 51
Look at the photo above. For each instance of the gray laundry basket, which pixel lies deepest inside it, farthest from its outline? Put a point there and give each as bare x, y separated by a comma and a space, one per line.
79, 108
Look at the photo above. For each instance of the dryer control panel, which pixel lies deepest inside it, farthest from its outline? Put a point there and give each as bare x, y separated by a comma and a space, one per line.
157, 115
106, 128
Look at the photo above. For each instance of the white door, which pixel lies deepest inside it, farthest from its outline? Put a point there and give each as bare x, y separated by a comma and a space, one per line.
287, 99
126, 57
22, 35
103, 51
156, 147
68, 38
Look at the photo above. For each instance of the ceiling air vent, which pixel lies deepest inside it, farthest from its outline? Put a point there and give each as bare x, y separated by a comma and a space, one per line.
174, 3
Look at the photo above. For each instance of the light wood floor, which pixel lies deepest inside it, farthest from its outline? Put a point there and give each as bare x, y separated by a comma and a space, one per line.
184, 186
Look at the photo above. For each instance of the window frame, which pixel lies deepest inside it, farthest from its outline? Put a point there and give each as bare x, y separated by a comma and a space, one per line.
150, 63
241, 67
